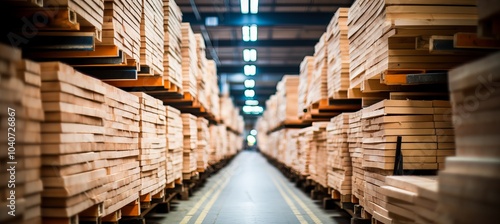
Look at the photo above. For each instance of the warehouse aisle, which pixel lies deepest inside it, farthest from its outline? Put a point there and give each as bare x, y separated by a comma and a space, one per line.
249, 190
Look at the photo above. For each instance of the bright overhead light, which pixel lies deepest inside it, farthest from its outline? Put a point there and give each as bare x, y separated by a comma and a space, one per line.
244, 6
251, 140
250, 70
251, 102
254, 6
249, 83
253, 109
250, 55
253, 32
253, 132
245, 30
249, 93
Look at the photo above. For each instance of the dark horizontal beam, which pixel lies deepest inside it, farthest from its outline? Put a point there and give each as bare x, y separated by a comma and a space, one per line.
269, 5
267, 43
264, 19
262, 77
260, 69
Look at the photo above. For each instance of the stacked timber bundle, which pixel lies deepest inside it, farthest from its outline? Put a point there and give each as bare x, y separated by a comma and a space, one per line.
21, 117
190, 129
319, 153
174, 145
213, 90
383, 123
410, 199
172, 37
355, 140
444, 131
383, 34
338, 55
90, 14
273, 144
203, 146
235, 142
287, 90
468, 186
230, 115
152, 144
304, 150
224, 141
318, 88
189, 61
272, 112
202, 76
288, 146
216, 145
262, 127
122, 26
152, 37
339, 163
74, 175
305, 77
122, 130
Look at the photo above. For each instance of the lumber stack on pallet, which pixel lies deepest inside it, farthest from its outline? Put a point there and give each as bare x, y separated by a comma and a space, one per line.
74, 173
230, 115
272, 111
339, 163
338, 55
318, 88
468, 186
122, 133
216, 146
287, 90
122, 26
201, 74
383, 35
90, 14
319, 154
213, 90
445, 133
203, 146
304, 150
305, 76
189, 130
172, 54
189, 60
174, 144
20, 126
410, 199
288, 146
152, 144
152, 37
355, 140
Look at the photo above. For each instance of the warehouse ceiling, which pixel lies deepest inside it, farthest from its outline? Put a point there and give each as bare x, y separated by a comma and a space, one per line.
287, 30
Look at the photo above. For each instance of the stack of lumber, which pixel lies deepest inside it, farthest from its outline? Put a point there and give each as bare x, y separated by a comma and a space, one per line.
152, 144
305, 77
202, 76
304, 150
468, 186
355, 141
189, 60
339, 163
90, 14
382, 35
319, 153
262, 128
273, 144
122, 26
216, 146
203, 146
410, 199
172, 54
152, 36
272, 111
235, 143
444, 131
122, 132
74, 174
338, 55
288, 146
224, 141
318, 88
174, 144
230, 115
213, 90
189, 130
20, 90
287, 90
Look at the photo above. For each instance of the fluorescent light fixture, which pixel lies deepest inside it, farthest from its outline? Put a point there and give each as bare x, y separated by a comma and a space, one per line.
249, 83
253, 32
251, 102
250, 55
251, 140
249, 93
212, 21
253, 132
245, 30
249, 70
253, 109
244, 6
254, 6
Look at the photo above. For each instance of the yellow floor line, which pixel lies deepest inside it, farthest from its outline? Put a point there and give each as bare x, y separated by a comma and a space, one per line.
294, 209
209, 205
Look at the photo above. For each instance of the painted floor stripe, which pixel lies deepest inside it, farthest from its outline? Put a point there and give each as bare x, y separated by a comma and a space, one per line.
294, 209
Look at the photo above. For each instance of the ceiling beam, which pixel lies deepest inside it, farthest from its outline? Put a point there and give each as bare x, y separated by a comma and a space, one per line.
264, 19
272, 5
268, 69
295, 43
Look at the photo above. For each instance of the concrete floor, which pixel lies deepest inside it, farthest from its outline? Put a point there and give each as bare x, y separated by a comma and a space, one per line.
249, 190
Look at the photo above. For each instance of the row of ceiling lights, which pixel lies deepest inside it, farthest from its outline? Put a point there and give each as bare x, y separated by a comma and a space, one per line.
249, 33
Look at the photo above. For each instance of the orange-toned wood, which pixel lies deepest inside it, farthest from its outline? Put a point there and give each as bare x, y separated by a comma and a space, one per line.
471, 40
142, 81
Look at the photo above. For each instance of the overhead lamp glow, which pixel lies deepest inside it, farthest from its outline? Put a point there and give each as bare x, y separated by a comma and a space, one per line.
253, 109
250, 55
253, 32
249, 93
251, 140
251, 102
244, 6
249, 70
245, 30
253, 132
249, 83
254, 6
